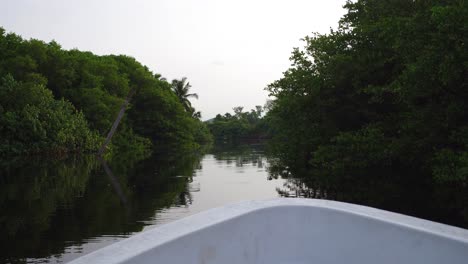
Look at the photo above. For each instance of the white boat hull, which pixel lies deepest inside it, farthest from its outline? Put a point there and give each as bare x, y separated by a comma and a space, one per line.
291, 231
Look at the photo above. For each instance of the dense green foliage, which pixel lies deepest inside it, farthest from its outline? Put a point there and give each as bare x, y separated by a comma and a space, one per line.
242, 126
31, 119
384, 94
56, 100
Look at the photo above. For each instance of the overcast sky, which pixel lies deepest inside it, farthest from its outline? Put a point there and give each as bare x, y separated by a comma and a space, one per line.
229, 50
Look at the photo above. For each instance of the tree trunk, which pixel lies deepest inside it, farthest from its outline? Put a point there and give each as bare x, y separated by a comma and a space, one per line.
116, 122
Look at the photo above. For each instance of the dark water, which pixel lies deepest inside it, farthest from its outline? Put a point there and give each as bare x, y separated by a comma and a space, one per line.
411, 194
56, 210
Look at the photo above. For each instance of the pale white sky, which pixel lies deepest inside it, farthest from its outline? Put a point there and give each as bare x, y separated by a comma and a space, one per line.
229, 50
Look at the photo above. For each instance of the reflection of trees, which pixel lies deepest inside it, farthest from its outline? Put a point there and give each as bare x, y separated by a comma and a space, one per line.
298, 188
113, 180
240, 155
51, 205
393, 191
31, 191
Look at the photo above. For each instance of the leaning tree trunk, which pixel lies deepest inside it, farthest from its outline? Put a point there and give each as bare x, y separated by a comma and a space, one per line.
116, 122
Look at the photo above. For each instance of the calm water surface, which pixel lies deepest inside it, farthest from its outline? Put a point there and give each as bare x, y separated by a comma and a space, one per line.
53, 212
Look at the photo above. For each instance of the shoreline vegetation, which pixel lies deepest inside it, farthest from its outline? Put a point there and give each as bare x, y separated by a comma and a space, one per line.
373, 111
385, 95
55, 101
241, 127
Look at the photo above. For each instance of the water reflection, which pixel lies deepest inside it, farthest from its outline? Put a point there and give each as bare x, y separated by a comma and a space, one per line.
240, 156
48, 206
113, 180
230, 174
30, 192
56, 210
392, 191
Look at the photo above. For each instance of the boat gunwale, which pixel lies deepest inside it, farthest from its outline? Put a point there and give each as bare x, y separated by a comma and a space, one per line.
140, 243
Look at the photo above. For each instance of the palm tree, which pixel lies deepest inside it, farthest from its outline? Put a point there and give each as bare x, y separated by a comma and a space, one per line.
181, 89
196, 115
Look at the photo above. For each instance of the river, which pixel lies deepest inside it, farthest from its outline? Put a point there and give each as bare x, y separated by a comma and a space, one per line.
55, 210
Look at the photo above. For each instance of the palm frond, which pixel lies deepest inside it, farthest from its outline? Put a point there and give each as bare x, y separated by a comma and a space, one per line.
192, 95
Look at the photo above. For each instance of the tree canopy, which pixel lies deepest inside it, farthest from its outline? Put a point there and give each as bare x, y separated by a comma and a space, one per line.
246, 127
385, 93
56, 100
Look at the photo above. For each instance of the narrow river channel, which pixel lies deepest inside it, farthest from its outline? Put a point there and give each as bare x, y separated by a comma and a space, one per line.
53, 212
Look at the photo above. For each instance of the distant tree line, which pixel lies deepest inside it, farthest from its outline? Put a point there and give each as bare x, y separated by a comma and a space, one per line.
55, 101
242, 127
385, 94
